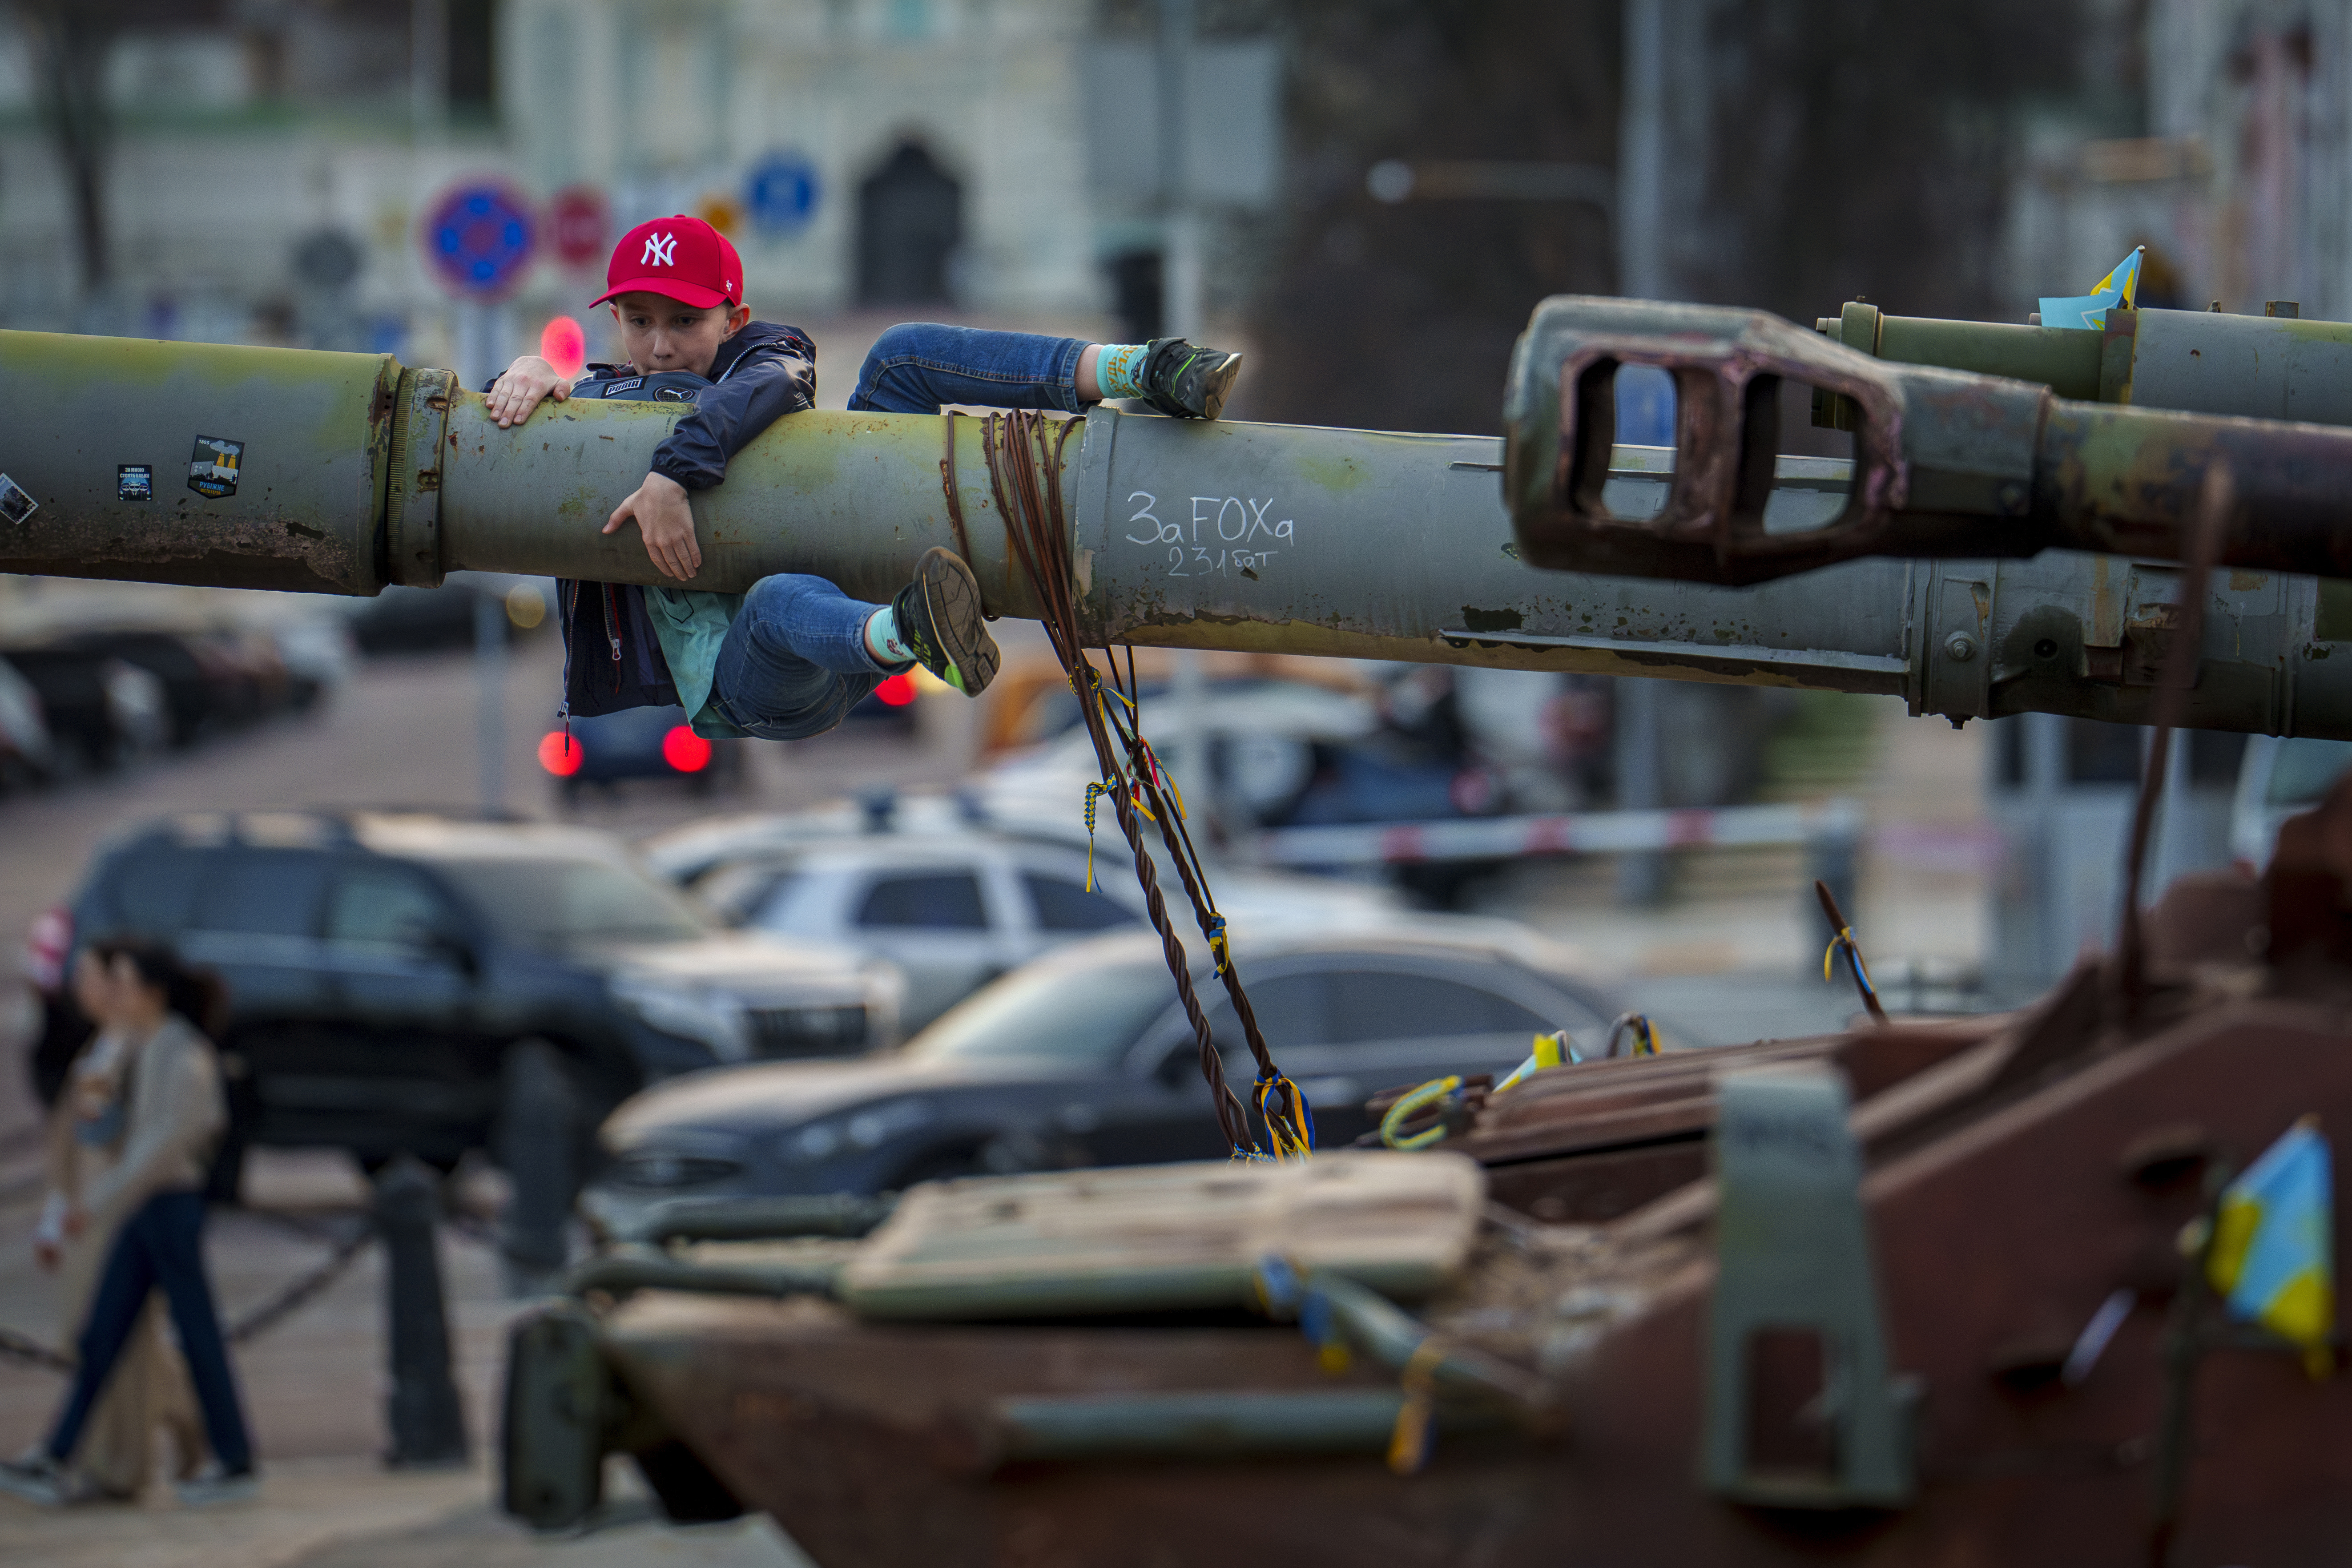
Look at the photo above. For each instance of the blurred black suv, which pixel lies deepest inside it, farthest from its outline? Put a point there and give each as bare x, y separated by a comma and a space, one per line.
409, 984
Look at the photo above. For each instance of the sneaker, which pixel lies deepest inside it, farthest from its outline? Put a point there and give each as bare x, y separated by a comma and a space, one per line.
213, 1487
938, 616
1186, 380
38, 1479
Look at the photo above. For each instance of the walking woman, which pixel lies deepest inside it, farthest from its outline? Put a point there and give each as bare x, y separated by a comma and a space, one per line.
174, 1113
149, 1385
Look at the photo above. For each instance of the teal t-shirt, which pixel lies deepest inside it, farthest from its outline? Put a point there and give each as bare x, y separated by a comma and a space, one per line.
690, 625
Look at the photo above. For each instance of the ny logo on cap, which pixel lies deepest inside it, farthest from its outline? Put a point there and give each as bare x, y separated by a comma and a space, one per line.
659, 249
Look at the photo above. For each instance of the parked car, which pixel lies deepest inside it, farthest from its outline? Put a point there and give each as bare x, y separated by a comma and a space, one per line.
953, 913
385, 971
27, 754
2277, 779
404, 620
639, 744
1084, 1058
318, 653
1274, 748
957, 911
198, 691
101, 711
692, 851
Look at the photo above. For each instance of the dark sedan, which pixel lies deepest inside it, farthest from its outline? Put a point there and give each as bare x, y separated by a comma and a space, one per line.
1084, 1058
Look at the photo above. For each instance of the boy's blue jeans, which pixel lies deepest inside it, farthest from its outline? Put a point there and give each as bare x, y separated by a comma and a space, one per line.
794, 661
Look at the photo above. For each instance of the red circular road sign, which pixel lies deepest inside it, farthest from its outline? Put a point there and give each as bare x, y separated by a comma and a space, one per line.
579, 221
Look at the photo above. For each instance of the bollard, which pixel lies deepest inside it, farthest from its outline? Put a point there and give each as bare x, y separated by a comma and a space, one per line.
428, 1425
540, 1128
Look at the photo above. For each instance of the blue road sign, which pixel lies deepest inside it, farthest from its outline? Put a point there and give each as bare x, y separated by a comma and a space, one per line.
480, 237
781, 193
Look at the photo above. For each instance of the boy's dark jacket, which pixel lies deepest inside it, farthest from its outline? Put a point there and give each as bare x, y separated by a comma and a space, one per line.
611, 659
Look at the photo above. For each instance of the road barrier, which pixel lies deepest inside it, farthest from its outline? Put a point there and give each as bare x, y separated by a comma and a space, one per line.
1824, 824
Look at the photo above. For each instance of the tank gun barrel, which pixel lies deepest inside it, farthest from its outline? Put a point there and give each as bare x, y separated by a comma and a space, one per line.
343, 473
1946, 462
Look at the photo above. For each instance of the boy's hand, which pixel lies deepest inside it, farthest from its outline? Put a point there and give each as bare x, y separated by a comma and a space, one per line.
518, 392
665, 523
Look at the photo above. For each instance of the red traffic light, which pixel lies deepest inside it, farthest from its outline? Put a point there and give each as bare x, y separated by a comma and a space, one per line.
899, 690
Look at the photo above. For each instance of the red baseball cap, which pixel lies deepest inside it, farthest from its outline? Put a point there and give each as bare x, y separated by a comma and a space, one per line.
679, 257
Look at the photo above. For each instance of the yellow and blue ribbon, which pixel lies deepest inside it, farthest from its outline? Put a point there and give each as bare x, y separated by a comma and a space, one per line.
1289, 1119
1094, 793
1548, 1051
1844, 938
1434, 1092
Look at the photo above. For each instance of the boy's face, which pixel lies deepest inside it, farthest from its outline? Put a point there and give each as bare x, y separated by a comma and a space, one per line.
660, 333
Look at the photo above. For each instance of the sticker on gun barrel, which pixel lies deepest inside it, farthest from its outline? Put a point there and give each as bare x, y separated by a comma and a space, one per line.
15, 504
213, 466
134, 481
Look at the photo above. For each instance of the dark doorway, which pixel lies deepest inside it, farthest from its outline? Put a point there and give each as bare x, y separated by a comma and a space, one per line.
1134, 283
473, 64
909, 218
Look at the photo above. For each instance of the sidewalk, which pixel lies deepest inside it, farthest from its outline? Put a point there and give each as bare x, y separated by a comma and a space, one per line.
314, 1388
306, 1507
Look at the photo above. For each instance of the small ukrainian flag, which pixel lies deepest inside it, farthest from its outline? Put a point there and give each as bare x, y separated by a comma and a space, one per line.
2272, 1258
2089, 311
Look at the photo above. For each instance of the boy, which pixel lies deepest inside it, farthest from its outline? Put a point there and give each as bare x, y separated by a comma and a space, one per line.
790, 658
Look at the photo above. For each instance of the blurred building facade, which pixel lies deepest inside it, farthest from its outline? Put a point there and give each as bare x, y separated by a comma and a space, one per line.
882, 153
2225, 147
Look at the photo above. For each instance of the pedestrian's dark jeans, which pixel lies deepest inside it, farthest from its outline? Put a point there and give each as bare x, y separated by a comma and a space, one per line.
794, 661
160, 1247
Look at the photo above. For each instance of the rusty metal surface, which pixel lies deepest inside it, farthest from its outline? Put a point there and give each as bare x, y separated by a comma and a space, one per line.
314, 429
1947, 463
872, 1446
2126, 481
2022, 1171
1967, 442
1996, 1238
412, 508
1617, 1104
